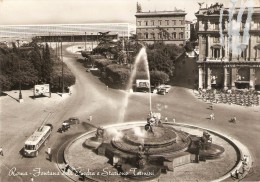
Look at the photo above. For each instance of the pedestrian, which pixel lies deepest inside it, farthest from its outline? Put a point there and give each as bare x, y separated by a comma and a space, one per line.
237, 174
107, 87
1, 151
234, 119
90, 118
66, 167
31, 179
173, 120
166, 119
49, 154
213, 116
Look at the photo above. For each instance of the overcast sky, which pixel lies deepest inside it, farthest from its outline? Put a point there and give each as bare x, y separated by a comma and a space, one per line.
21, 12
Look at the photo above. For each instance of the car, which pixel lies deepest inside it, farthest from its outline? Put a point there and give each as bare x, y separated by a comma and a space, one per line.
162, 91
72, 120
167, 88
65, 126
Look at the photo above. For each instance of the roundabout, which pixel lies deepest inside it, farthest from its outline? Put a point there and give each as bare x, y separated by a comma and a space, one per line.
119, 156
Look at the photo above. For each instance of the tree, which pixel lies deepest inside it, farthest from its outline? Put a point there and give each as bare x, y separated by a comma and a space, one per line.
158, 77
189, 47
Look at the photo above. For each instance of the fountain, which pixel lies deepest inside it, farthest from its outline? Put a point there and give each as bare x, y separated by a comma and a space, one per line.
144, 151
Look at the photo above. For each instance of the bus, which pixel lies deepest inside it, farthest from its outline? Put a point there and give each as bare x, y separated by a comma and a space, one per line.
36, 140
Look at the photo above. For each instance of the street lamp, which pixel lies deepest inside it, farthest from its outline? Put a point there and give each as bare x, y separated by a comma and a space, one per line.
62, 66
20, 85
85, 40
92, 41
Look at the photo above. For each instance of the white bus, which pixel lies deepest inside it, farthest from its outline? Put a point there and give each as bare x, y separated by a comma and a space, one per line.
35, 141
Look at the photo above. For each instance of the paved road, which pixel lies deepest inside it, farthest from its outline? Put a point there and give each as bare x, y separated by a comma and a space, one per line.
90, 98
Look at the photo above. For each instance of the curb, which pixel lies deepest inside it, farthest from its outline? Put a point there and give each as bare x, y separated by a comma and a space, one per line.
240, 148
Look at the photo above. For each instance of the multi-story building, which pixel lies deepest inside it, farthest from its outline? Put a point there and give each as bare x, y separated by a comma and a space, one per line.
187, 30
229, 47
166, 26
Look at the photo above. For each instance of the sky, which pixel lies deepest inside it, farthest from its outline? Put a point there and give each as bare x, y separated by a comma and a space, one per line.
28, 12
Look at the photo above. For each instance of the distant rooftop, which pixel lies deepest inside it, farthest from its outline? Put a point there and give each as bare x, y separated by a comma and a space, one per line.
161, 13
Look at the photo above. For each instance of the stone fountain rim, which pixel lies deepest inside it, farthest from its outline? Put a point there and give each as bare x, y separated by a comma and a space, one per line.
235, 143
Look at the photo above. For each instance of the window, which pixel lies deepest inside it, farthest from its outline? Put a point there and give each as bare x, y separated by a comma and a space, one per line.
181, 22
167, 22
174, 35
139, 35
152, 22
181, 35
152, 36
146, 36
139, 23
174, 22
159, 35
160, 22
216, 26
146, 23
243, 25
258, 39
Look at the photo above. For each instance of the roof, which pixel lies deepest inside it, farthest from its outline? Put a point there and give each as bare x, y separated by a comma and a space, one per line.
161, 13
37, 135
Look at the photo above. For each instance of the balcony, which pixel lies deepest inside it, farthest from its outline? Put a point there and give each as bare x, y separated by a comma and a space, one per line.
224, 59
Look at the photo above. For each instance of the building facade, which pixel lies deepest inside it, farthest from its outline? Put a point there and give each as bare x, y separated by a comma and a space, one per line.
229, 47
165, 26
187, 30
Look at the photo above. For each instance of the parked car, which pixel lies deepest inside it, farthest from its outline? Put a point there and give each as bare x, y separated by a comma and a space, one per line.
167, 88
162, 91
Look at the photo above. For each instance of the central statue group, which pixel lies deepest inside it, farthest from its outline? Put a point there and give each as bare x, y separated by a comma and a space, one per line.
153, 119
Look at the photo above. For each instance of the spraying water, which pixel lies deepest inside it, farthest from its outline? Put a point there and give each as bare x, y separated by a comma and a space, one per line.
141, 57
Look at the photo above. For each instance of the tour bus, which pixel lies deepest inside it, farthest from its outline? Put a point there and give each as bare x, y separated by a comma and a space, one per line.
35, 141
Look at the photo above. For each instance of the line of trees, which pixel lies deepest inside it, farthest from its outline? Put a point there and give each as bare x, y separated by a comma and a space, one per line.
31, 64
160, 59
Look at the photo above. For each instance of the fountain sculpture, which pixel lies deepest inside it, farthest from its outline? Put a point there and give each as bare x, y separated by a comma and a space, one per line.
145, 151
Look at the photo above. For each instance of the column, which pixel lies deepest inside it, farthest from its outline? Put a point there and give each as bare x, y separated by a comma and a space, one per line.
247, 52
226, 78
226, 46
208, 48
252, 78
209, 78
200, 47
233, 77
200, 77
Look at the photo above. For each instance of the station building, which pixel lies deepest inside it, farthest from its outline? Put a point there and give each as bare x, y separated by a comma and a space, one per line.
165, 26
229, 47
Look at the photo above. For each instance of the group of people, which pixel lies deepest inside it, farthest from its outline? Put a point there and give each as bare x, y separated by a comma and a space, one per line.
245, 168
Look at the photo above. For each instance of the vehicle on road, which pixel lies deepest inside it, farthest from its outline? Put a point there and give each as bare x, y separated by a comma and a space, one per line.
37, 140
72, 120
64, 127
162, 91
167, 88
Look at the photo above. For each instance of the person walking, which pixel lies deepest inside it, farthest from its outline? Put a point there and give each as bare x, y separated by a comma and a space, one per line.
31, 179
49, 154
1, 151
166, 119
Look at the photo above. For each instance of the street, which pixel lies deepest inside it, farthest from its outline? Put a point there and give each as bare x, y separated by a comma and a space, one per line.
90, 97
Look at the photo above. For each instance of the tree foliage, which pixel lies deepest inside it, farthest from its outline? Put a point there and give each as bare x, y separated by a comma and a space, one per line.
30, 64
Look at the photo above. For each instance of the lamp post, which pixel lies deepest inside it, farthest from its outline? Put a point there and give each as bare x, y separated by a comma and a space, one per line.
20, 85
85, 41
92, 42
62, 75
